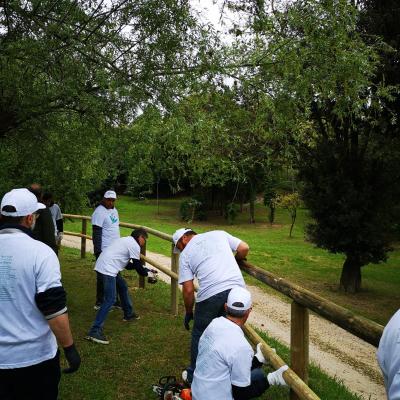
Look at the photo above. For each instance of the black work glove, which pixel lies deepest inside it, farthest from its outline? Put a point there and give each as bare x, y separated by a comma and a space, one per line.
186, 321
73, 359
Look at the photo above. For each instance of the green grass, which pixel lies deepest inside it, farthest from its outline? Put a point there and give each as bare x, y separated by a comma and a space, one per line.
272, 249
141, 352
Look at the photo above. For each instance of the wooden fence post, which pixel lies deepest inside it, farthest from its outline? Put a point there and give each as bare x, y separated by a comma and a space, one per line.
174, 282
83, 239
299, 341
142, 278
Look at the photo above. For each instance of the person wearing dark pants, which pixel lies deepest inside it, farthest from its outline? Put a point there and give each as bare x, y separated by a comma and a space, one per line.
226, 366
32, 305
122, 253
45, 375
105, 228
209, 258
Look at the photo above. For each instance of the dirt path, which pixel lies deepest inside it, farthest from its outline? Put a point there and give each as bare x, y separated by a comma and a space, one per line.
336, 351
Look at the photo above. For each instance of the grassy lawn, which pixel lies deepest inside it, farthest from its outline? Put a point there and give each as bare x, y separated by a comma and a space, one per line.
141, 352
272, 249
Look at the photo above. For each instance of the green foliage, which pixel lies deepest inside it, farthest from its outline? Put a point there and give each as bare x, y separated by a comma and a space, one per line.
71, 72
290, 202
270, 195
231, 212
191, 209
337, 121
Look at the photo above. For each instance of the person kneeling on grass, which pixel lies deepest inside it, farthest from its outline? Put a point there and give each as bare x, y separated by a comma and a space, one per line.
122, 253
226, 366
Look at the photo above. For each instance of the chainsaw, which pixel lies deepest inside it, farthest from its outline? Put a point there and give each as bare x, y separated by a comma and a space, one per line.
153, 278
169, 389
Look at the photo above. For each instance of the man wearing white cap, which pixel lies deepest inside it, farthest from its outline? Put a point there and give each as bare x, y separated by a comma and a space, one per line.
229, 369
33, 311
105, 226
209, 258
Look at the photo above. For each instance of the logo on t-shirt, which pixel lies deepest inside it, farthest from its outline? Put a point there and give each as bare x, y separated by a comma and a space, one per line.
114, 219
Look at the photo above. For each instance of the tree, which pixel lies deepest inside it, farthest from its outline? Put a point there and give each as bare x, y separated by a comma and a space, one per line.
85, 67
291, 202
321, 75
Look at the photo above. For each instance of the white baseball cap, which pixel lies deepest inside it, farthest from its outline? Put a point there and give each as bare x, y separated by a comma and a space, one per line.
239, 299
24, 202
110, 194
177, 235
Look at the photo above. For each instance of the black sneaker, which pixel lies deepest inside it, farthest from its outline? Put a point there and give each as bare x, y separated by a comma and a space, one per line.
133, 317
97, 338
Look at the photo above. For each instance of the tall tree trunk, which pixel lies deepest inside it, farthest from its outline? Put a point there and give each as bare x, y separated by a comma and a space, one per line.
252, 202
158, 200
293, 215
271, 216
350, 280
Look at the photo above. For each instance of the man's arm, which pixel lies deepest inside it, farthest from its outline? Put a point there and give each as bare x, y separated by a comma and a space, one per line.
188, 299
97, 232
188, 296
52, 304
242, 251
60, 225
61, 329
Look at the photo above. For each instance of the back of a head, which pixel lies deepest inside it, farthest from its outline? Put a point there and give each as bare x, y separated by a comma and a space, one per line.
239, 302
139, 232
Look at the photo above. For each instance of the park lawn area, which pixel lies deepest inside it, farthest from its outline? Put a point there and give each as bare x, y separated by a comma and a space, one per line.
140, 353
271, 248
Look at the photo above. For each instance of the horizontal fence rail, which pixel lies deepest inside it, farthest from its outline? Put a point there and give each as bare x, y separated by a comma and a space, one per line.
291, 378
359, 326
303, 300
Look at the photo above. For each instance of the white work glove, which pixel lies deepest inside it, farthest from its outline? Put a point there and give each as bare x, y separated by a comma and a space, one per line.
259, 355
276, 378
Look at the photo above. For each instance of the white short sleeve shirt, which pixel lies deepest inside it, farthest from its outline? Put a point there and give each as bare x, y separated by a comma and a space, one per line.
209, 258
27, 267
115, 257
108, 220
389, 357
221, 363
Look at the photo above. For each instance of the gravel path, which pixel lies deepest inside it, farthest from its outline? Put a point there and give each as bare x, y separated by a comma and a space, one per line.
336, 351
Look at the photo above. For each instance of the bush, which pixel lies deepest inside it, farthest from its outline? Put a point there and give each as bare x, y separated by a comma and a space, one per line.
192, 209
231, 212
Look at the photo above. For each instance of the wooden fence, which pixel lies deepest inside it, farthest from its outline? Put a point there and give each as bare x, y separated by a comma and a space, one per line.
303, 301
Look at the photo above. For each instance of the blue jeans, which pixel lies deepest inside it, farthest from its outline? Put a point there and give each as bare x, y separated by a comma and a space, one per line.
258, 384
205, 311
112, 285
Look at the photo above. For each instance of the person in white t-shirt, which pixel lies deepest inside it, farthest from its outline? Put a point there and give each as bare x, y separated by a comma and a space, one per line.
122, 253
105, 227
209, 258
389, 357
33, 310
229, 369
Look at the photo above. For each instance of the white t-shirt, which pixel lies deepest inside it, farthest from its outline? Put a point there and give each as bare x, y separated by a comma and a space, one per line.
115, 257
389, 356
107, 219
56, 215
221, 363
27, 267
208, 257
